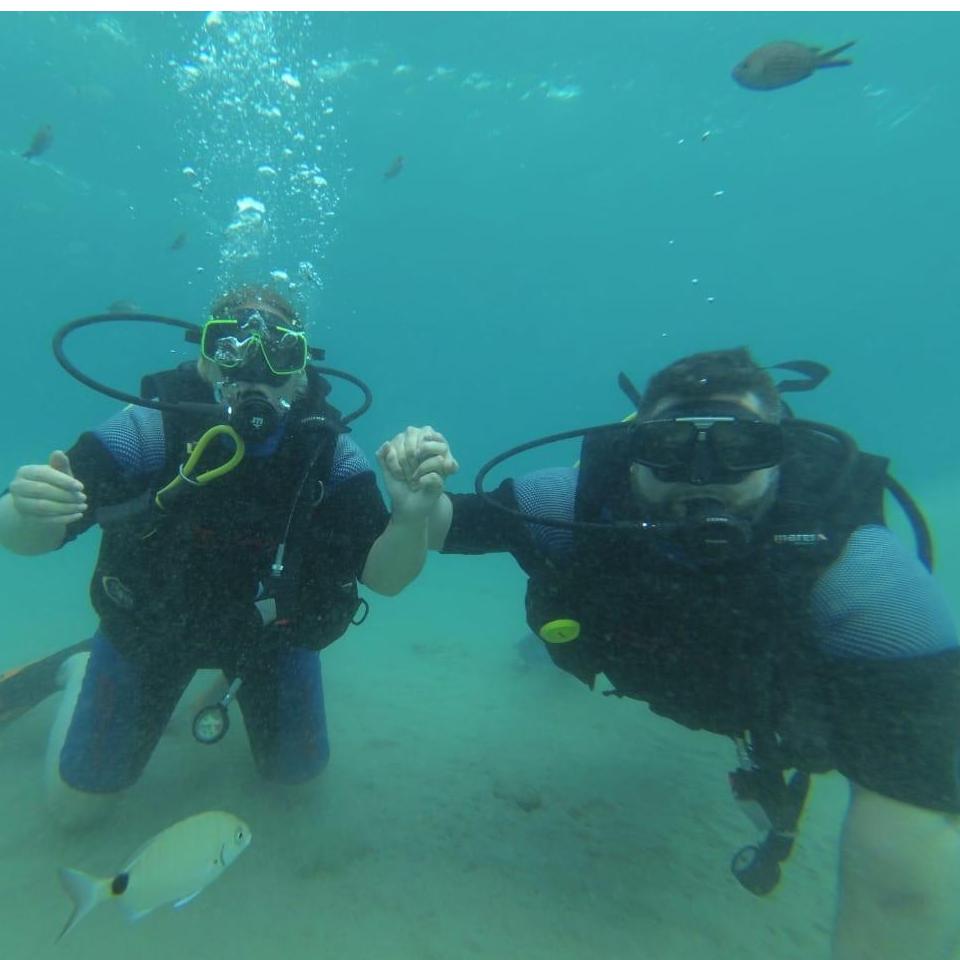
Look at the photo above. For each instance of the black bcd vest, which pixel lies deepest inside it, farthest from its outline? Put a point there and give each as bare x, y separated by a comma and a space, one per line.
185, 576
727, 647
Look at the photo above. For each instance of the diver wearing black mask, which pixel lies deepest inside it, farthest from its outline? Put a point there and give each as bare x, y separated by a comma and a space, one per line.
728, 564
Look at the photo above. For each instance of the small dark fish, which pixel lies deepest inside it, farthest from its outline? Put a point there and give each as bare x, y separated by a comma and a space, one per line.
179, 241
124, 306
40, 143
784, 62
395, 169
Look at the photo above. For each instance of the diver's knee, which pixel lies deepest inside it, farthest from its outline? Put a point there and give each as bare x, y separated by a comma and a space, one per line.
70, 807
70, 677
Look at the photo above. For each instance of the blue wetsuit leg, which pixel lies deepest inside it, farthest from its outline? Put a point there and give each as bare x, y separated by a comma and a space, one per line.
123, 708
282, 702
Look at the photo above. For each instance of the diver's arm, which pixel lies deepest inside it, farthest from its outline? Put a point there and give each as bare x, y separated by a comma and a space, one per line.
414, 466
399, 553
458, 523
20, 535
893, 666
899, 882
439, 521
43, 499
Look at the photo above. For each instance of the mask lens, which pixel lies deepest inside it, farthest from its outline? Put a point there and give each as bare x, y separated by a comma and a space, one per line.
285, 350
664, 444
745, 445
707, 449
222, 343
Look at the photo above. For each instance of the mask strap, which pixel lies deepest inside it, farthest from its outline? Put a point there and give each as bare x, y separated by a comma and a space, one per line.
627, 386
813, 373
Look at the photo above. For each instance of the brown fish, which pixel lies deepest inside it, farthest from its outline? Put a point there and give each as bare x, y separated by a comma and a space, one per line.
40, 143
784, 62
395, 169
179, 241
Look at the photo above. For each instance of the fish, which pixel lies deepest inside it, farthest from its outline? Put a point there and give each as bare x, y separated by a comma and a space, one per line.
784, 62
40, 143
173, 867
395, 168
179, 241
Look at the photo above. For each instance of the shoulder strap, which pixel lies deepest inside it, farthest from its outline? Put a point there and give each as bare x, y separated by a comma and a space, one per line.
827, 489
604, 474
183, 383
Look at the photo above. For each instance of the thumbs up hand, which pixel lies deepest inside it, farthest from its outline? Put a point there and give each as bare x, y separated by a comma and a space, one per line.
48, 493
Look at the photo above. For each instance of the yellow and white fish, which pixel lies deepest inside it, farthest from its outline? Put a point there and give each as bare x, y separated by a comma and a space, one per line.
173, 867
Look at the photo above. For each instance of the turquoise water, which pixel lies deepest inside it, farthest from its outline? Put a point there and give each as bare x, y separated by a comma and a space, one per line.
580, 195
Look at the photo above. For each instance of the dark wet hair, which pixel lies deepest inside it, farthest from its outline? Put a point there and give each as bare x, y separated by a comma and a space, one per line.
253, 295
703, 375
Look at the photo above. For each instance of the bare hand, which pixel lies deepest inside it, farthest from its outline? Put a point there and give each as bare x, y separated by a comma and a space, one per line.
48, 493
419, 457
415, 464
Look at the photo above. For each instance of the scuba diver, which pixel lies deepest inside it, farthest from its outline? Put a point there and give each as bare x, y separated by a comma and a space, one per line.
238, 517
728, 564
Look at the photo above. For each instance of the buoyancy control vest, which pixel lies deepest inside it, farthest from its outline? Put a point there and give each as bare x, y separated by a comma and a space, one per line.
708, 618
186, 575
724, 647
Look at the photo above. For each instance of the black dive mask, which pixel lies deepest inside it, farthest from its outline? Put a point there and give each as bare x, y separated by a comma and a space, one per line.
707, 443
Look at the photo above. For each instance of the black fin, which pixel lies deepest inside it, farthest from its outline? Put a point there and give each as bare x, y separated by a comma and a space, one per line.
24, 687
827, 59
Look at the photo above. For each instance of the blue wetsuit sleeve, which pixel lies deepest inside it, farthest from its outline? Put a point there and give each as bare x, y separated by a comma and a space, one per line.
117, 461
892, 664
877, 601
348, 461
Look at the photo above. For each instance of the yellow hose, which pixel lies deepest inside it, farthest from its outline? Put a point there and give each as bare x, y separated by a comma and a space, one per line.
184, 476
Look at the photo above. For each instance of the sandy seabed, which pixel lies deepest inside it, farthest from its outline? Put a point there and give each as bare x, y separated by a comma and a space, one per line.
478, 805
